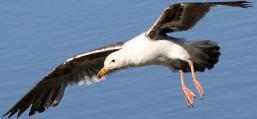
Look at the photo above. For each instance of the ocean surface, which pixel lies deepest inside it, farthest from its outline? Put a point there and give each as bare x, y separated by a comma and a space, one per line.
38, 35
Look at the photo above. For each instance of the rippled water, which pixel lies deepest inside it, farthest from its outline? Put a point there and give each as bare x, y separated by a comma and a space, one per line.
36, 36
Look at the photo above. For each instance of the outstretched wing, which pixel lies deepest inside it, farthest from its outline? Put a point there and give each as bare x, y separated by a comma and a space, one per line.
183, 16
82, 68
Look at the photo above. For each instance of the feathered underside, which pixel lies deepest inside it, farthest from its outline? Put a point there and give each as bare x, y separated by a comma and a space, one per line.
204, 54
184, 16
79, 69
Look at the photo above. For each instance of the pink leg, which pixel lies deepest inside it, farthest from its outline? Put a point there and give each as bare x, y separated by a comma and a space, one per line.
189, 95
196, 82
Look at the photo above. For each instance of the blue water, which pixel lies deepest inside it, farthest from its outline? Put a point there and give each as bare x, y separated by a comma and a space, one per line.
36, 36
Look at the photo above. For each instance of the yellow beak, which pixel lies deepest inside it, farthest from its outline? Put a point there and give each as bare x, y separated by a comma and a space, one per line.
102, 72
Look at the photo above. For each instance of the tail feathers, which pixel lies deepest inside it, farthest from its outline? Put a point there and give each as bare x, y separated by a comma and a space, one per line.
204, 54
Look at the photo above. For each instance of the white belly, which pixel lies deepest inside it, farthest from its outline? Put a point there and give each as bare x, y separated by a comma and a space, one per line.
143, 50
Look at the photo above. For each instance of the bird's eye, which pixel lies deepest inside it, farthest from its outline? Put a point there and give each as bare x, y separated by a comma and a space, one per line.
113, 60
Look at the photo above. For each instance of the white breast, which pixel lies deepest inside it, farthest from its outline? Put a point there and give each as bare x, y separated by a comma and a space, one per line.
141, 50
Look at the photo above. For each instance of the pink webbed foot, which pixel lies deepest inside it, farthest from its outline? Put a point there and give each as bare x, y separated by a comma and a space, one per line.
189, 96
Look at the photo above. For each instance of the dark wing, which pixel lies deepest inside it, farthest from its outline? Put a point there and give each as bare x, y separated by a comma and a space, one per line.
183, 16
82, 68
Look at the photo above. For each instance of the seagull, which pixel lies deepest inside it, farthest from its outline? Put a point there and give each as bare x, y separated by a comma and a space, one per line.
152, 47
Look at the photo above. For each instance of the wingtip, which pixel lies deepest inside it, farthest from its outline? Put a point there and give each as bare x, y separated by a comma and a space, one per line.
7, 113
4, 115
246, 4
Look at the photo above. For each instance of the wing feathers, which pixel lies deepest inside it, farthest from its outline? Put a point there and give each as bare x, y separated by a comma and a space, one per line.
243, 4
183, 16
50, 90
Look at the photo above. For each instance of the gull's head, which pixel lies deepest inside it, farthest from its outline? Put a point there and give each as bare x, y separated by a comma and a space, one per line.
112, 62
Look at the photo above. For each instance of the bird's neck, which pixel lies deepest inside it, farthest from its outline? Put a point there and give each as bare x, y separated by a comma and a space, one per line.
133, 61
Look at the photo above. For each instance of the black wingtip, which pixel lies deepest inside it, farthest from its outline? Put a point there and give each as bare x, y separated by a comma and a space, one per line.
8, 114
5, 115
246, 4
242, 3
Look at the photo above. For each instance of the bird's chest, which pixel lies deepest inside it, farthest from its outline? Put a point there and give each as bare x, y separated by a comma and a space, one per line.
144, 51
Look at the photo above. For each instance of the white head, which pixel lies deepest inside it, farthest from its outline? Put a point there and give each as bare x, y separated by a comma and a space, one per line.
113, 61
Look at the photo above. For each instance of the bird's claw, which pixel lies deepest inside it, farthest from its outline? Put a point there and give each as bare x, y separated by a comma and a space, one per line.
189, 96
199, 88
